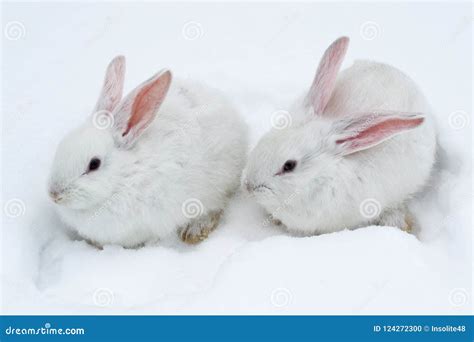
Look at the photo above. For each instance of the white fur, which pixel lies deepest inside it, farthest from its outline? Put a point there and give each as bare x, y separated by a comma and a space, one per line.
325, 191
194, 148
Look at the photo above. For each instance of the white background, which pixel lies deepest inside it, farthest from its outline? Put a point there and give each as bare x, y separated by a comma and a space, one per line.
262, 55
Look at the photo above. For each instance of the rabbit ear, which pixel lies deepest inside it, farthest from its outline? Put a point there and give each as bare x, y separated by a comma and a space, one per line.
325, 79
371, 129
112, 88
137, 111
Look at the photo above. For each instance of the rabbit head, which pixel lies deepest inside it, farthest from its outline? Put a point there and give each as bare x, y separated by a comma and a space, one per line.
90, 160
302, 164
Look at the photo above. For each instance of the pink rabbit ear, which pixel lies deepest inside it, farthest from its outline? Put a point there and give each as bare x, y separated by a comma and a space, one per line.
138, 110
325, 79
373, 128
112, 88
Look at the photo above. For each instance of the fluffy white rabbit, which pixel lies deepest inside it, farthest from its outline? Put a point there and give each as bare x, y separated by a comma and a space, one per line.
360, 144
161, 161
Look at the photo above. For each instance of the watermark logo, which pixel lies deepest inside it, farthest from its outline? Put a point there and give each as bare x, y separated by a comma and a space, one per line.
458, 297
14, 208
192, 208
281, 119
14, 30
281, 297
102, 119
370, 208
458, 120
370, 30
192, 30
103, 297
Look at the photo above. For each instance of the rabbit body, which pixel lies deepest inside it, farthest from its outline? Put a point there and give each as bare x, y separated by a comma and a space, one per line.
350, 172
184, 166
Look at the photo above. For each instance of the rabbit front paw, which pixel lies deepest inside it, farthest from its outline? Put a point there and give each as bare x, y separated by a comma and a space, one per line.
397, 217
199, 229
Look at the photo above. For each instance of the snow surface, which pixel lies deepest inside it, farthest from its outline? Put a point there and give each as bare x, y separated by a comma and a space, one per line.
262, 55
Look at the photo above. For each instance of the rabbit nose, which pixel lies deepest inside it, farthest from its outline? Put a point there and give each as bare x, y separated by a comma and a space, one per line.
55, 196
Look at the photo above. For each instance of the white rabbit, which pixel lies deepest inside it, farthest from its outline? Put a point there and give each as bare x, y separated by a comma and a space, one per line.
163, 160
360, 144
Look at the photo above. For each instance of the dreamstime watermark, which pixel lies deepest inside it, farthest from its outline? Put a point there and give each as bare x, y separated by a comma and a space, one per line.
193, 122
288, 20
46, 330
103, 297
102, 119
458, 297
458, 119
370, 208
281, 297
192, 208
187, 127
14, 30
281, 119
377, 288
105, 206
14, 208
272, 217
360, 125
370, 30
192, 30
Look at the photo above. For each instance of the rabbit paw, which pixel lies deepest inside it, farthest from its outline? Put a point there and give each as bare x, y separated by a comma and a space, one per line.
93, 244
199, 229
276, 222
399, 217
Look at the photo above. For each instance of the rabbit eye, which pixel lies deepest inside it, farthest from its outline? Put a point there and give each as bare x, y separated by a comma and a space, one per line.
289, 166
94, 164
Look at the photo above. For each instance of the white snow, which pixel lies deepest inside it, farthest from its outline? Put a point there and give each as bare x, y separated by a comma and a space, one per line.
262, 55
